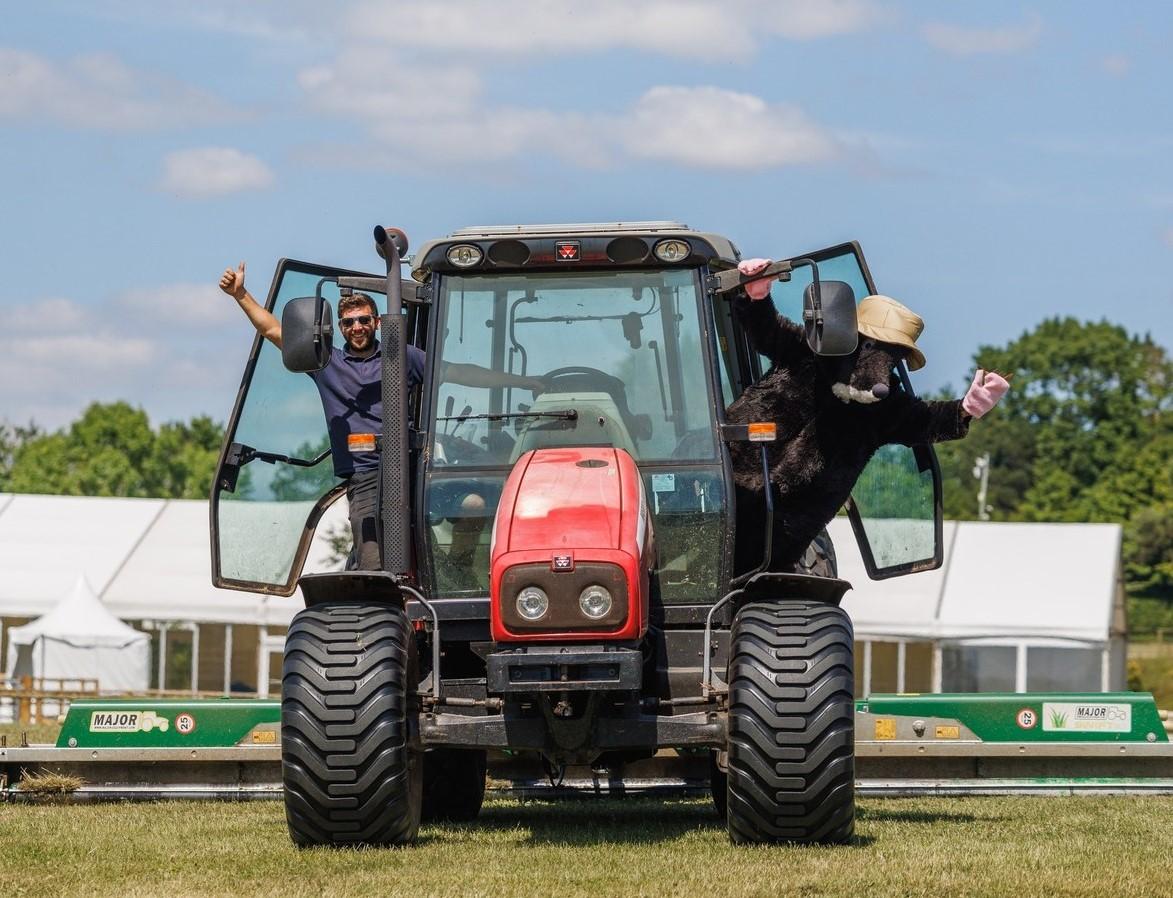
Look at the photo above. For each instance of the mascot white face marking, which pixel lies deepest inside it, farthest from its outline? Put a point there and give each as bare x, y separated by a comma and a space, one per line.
848, 393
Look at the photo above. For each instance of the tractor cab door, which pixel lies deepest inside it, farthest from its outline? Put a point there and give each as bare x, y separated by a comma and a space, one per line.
275, 476
895, 507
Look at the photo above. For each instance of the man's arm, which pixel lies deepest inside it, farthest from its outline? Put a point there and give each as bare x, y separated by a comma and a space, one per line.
476, 376
232, 283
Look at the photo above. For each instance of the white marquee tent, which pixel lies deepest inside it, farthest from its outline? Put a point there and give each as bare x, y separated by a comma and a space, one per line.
1014, 607
80, 639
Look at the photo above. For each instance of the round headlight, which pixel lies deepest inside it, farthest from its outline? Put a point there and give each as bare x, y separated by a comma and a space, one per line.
672, 250
465, 255
595, 601
532, 603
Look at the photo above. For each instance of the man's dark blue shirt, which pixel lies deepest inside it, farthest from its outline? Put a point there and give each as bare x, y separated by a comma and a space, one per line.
352, 399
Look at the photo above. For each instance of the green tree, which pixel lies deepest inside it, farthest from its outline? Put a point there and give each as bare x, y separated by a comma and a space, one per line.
293, 483
1085, 434
111, 450
13, 438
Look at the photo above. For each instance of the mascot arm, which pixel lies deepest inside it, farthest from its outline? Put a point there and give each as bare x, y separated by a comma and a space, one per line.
776, 337
915, 422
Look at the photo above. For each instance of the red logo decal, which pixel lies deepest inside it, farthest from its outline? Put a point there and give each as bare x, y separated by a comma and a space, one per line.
567, 251
563, 563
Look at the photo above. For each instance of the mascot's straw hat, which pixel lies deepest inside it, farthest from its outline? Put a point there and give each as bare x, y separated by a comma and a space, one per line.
883, 318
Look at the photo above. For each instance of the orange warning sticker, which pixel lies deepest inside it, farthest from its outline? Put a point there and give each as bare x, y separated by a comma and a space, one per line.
948, 732
360, 442
886, 728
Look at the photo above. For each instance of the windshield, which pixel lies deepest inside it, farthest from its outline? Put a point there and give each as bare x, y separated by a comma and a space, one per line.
582, 358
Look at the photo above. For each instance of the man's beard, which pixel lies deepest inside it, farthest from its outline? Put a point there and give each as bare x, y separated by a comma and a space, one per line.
368, 342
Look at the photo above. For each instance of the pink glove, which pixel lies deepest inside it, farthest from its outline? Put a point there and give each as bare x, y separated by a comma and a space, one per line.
756, 290
984, 392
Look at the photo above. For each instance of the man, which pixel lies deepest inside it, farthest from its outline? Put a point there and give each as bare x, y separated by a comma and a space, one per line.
350, 387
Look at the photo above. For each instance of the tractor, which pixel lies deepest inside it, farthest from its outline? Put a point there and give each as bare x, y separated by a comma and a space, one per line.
558, 572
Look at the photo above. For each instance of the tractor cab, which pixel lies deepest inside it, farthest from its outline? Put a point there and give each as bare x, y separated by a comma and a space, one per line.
626, 343
557, 533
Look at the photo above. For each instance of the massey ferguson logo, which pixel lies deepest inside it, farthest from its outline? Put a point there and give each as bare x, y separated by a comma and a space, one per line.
567, 250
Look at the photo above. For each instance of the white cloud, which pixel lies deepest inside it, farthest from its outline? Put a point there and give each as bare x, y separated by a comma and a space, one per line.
172, 349
213, 171
184, 304
699, 29
100, 92
423, 116
707, 127
960, 40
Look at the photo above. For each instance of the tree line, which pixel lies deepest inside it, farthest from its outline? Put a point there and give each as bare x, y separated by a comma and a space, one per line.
1084, 435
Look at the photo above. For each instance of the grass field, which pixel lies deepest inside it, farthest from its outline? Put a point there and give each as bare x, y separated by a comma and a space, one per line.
931, 847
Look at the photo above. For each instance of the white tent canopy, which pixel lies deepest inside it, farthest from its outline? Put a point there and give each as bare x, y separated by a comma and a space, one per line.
1046, 581
1013, 607
80, 639
1027, 598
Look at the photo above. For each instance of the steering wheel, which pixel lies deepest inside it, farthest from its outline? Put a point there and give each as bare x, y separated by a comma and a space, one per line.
582, 377
590, 378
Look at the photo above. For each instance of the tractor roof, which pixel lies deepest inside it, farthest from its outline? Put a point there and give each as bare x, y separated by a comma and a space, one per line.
565, 246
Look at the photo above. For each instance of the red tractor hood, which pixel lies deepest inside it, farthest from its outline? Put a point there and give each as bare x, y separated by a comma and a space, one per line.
567, 515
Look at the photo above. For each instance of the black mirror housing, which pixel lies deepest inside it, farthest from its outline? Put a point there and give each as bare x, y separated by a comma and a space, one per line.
307, 334
828, 318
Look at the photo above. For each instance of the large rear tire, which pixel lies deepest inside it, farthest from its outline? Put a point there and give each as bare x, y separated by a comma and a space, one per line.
791, 775
454, 784
348, 706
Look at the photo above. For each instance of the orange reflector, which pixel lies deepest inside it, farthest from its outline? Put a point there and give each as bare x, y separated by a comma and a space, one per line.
360, 442
763, 433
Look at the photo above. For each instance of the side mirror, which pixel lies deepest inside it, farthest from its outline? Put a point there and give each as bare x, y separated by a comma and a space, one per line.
828, 318
307, 334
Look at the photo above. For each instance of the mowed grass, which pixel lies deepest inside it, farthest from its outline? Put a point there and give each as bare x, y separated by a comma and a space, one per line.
616, 847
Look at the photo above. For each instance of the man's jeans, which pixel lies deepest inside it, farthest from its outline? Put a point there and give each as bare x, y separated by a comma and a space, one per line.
362, 492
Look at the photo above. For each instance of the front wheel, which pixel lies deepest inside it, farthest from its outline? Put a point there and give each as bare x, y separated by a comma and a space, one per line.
454, 784
791, 767
351, 773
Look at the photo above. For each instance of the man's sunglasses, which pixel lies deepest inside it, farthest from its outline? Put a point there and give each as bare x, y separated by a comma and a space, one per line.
364, 320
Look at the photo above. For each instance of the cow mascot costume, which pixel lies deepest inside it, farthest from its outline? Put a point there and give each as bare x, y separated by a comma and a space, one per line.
832, 414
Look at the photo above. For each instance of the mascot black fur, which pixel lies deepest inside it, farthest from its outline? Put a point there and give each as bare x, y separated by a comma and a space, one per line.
832, 414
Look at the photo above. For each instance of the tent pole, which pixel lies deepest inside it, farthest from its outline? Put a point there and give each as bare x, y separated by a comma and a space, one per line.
1020, 668
1106, 667
901, 659
938, 676
228, 659
867, 668
263, 662
195, 658
162, 680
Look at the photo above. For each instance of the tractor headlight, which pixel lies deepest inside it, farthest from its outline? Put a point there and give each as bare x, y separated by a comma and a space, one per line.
532, 603
465, 255
672, 250
595, 601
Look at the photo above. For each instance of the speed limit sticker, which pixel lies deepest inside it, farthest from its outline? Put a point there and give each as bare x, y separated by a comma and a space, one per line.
184, 724
1027, 718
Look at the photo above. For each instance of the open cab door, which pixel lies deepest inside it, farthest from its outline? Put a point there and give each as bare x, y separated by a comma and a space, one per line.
895, 507
275, 476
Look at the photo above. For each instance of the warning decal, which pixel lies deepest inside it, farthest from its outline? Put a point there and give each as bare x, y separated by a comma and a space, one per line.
184, 724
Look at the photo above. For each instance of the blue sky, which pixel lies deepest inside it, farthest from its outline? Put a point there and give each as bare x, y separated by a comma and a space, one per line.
1000, 162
